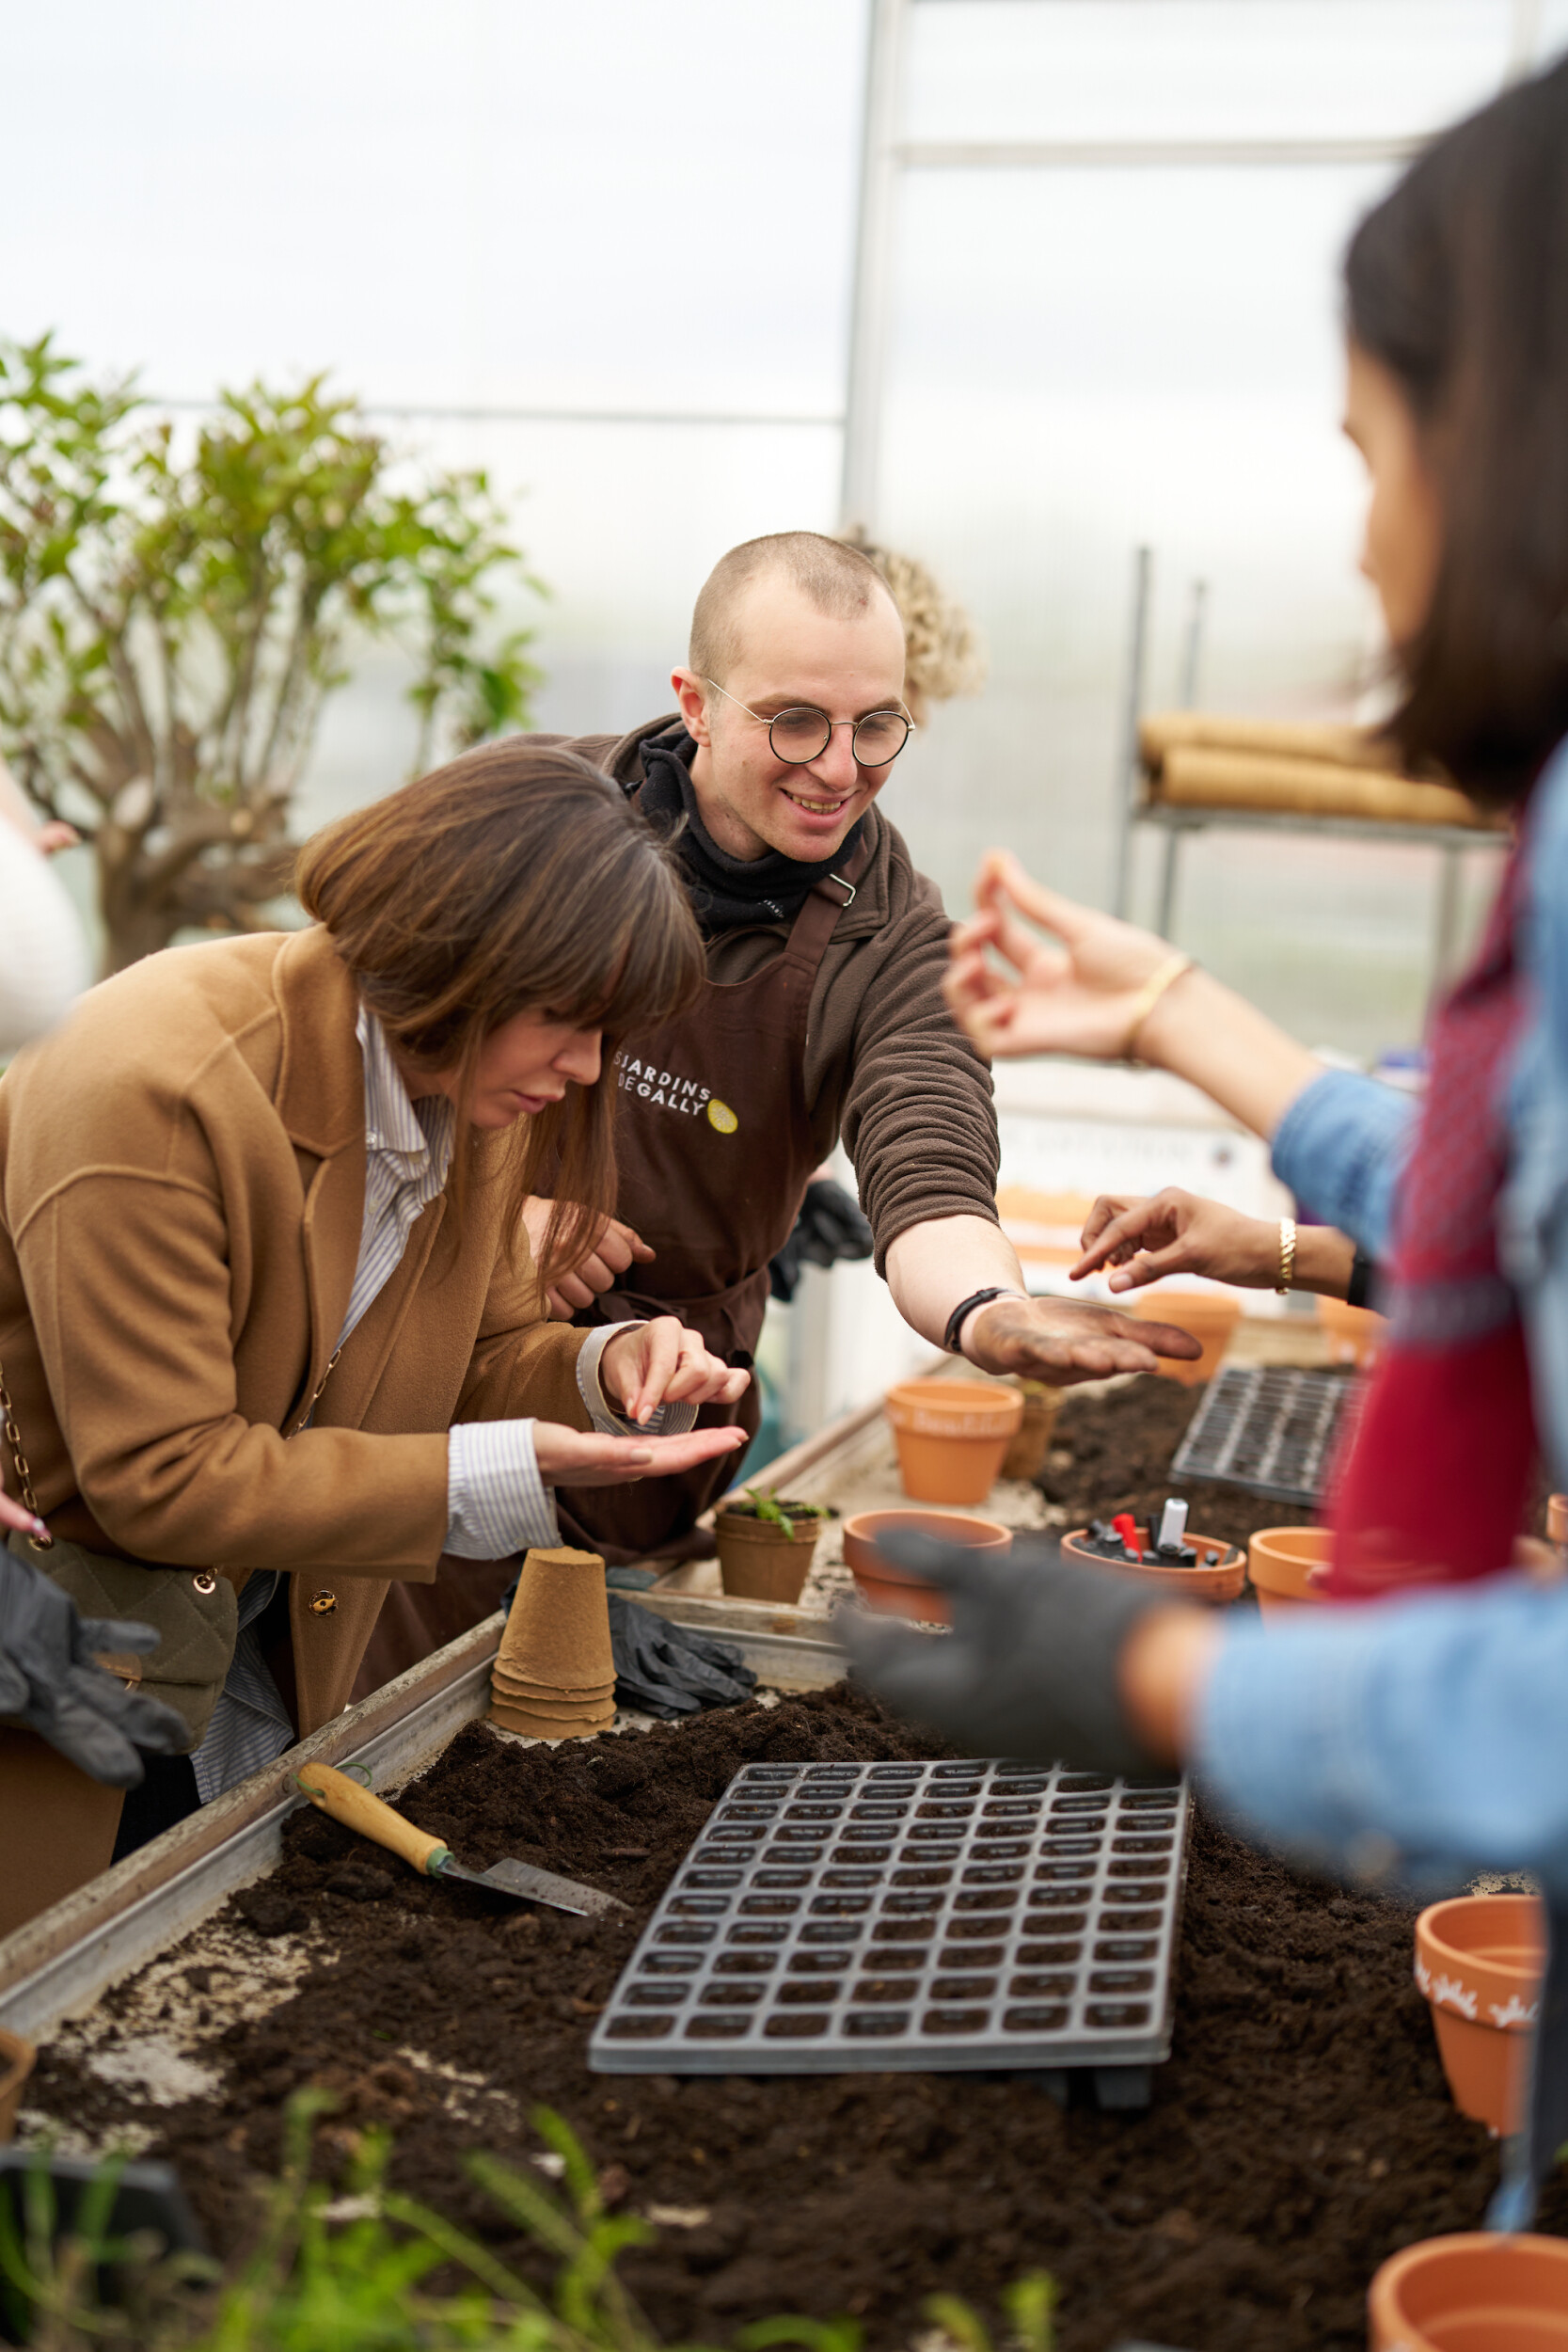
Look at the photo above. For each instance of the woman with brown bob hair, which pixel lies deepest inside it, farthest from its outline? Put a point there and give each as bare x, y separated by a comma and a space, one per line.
269, 1323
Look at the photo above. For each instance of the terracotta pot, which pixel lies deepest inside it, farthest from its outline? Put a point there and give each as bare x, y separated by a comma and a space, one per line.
1209, 1316
1479, 1960
1478, 2291
1032, 1442
16, 2064
895, 1591
1217, 1574
1354, 1333
952, 1435
759, 1561
1281, 1562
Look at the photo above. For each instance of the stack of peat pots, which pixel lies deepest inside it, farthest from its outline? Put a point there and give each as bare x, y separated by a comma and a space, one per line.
554, 1675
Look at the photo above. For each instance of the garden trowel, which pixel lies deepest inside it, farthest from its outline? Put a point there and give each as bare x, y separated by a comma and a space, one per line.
334, 1792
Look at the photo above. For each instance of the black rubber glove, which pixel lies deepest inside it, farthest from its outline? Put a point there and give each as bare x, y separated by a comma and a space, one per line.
48, 1681
666, 1669
828, 1227
1029, 1668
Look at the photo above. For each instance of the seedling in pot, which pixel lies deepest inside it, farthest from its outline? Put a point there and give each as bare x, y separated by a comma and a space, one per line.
766, 1545
777, 1514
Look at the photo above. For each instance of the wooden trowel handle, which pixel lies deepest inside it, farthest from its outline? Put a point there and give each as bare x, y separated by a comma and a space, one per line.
357, 1809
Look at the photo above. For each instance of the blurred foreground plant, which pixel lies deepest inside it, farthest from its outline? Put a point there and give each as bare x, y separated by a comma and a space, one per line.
175, 611
342, 2271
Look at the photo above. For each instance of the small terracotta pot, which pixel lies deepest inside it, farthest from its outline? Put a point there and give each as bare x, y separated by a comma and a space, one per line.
759, 1561
1478, 2291
895, 1591
1355, 1334
1285, 1562
1032, 1442
16, 2064
1479, 1960
952, 1435
1217, 1574
1209, 1316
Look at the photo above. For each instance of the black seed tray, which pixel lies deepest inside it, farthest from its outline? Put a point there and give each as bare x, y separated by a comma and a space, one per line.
930, 1916
1272, 1430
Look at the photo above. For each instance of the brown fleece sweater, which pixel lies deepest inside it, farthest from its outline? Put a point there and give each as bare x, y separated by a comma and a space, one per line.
887, 1067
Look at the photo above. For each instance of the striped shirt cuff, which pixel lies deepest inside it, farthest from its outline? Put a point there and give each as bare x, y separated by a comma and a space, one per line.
671, 1420
496, 1499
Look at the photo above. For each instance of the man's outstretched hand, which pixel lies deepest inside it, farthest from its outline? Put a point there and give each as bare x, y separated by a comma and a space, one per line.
1060, 1342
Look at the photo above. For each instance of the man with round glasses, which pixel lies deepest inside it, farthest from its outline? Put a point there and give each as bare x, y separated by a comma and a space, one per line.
822, 1016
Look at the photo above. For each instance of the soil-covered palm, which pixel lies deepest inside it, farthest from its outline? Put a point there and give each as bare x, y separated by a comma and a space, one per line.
1064, 1341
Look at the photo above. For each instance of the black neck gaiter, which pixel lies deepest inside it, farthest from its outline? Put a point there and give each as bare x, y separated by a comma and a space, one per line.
727, 893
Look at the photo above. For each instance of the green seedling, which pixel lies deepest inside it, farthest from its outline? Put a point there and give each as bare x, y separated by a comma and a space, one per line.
782, 1514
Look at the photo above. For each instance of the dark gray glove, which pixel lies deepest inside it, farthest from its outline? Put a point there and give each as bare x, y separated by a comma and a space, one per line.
830, 1226
48, 1681
667, 1670
1029, 1668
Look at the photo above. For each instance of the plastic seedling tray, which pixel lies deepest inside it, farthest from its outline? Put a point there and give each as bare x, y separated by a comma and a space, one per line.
1272, 1430
987, 1915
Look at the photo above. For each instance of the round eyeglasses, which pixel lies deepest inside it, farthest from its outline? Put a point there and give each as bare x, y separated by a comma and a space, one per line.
799, 737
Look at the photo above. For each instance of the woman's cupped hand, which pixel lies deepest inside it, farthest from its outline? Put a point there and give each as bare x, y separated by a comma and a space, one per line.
645, 1366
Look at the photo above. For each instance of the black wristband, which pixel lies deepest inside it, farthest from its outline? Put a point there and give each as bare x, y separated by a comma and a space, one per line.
1363, 1274
966, 1307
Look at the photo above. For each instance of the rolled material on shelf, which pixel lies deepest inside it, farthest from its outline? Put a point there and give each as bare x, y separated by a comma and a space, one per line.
1164, 731
1193, 759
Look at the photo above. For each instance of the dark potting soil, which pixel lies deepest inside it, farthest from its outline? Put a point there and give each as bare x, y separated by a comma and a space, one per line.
1113, 1451
1299, 2133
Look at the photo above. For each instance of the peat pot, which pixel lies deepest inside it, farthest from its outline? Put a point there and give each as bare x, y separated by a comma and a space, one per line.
1211, 1316
1354, 1333
16, 2064
759, 1560
1478, 2291
1027, 1450
1479, 1960
952, 1435
893, 1590
1217, 1574
1281, 1562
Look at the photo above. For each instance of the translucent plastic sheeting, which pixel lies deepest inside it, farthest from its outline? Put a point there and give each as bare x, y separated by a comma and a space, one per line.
1087, 358
1080, 69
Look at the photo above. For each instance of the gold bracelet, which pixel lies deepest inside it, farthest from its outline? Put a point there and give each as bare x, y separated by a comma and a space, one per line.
1149, 997
1286, 1255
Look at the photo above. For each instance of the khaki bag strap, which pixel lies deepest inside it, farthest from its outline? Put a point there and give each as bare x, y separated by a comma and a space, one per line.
23, 1475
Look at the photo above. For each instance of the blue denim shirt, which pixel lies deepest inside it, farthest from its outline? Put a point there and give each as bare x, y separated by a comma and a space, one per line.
1427, 1739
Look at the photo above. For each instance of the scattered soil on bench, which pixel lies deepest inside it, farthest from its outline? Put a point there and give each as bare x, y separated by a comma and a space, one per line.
1300, 2133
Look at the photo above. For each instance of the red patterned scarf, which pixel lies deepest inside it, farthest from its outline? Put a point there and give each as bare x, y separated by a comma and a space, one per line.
1435, 1482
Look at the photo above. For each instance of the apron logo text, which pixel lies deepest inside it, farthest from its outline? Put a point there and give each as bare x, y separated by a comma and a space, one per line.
668, 1088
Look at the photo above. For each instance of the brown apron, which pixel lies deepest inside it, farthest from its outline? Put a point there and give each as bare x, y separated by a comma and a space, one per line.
715, 1153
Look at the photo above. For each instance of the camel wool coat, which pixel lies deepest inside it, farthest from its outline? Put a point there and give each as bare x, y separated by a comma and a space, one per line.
182, 1189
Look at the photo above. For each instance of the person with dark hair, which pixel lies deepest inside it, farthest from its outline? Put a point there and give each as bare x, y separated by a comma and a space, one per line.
1428, 1737
271, 1333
